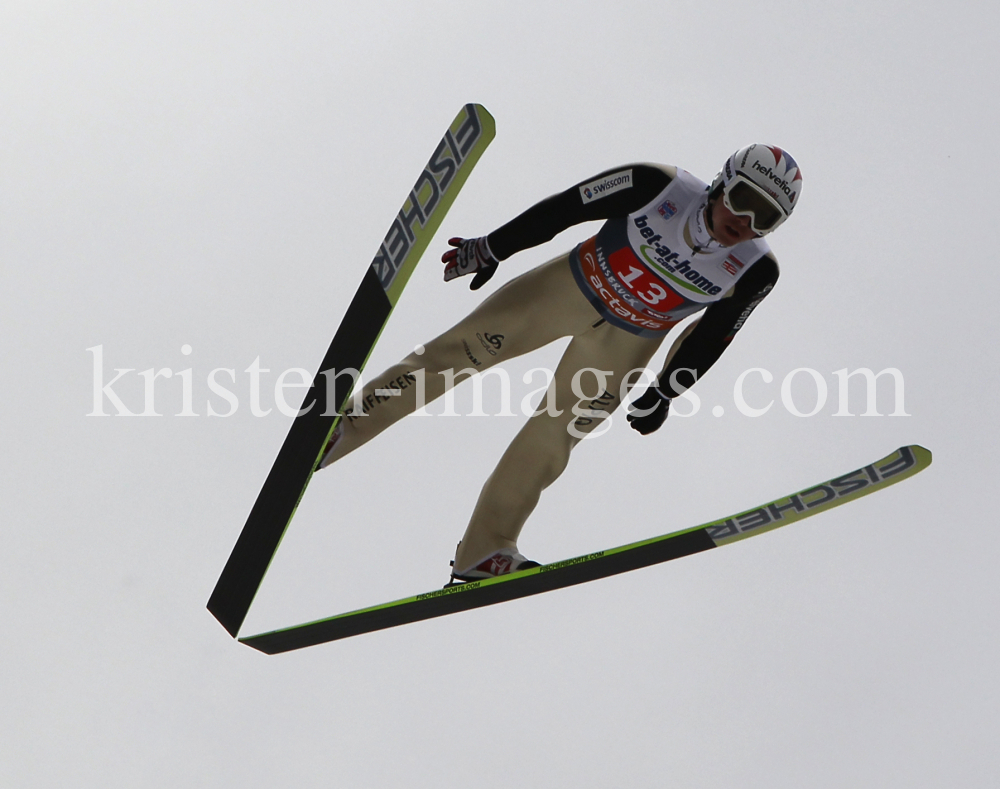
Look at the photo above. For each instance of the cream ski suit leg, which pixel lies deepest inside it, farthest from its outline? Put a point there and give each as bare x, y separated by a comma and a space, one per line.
530, 311
534, 309
540, 451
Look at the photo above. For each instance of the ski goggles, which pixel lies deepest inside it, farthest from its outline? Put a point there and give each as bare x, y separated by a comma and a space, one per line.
745, 198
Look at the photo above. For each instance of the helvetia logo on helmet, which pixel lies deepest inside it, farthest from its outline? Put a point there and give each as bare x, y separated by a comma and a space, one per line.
780, 182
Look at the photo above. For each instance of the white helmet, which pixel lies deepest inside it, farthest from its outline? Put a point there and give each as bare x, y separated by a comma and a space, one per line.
762, 182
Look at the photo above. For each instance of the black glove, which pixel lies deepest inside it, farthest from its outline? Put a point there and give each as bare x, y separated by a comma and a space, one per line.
649, 410
471, 255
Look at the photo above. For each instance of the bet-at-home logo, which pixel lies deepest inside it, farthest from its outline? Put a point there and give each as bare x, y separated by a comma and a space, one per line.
667, 262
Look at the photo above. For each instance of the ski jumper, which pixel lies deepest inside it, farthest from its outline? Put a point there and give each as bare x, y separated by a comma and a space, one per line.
617, 295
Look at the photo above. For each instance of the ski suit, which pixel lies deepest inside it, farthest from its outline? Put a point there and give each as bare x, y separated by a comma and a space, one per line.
617, 295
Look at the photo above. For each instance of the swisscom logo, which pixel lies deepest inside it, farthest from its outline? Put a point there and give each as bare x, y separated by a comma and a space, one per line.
609, 184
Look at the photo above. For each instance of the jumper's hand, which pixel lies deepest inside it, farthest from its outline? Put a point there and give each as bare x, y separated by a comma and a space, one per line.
649, 411
470, 255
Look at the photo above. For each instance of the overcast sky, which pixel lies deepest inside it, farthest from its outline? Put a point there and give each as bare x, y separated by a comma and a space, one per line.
218, 175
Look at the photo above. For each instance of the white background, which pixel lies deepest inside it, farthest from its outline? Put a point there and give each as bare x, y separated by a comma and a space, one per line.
220, 174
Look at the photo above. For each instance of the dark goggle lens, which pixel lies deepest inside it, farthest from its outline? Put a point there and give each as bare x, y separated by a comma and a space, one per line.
743, 198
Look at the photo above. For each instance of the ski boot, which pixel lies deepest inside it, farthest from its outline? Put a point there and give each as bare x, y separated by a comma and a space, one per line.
502, 562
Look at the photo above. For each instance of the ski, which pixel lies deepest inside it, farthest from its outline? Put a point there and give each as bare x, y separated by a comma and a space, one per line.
415, 224
904, 462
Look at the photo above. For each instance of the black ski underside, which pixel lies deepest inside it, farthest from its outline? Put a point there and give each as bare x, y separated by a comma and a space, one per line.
477, 595
895, 467
284, 486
